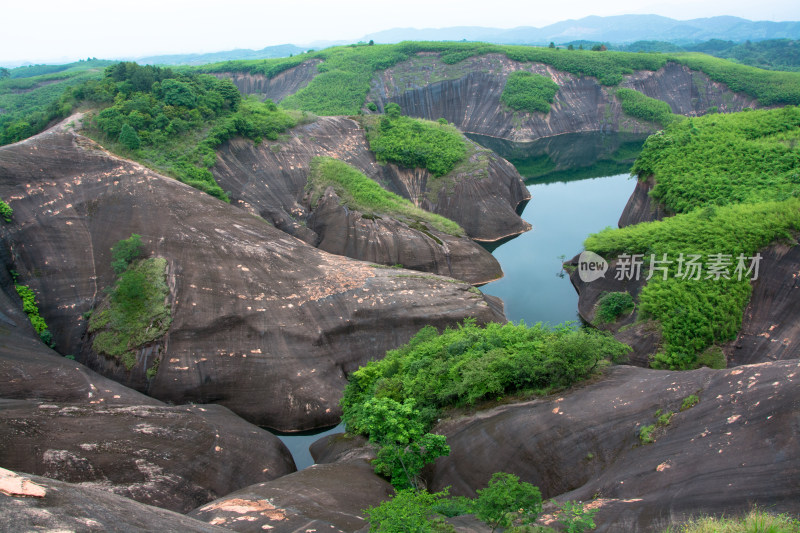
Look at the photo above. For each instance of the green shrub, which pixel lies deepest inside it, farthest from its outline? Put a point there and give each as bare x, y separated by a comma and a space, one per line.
507, 500
415, 143
5, 211
129, 138
125, 252
575, 518
718, 160
643, 107
646, 434
689, 402
359, 192
664, 419
407, 512
468, 364
612, 305
526, 91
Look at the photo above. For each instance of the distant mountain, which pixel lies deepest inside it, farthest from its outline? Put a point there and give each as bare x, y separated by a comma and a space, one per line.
617, 29
281, 50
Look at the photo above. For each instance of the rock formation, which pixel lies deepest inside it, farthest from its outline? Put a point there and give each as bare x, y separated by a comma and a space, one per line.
468, 95
40, 503
269, 180
736, 447
326, 497
262, 323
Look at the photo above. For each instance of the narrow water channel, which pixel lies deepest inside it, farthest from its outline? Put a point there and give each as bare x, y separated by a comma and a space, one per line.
579, 184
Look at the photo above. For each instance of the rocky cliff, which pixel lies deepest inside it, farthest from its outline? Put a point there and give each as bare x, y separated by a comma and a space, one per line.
270, 180
262, 323
468, 95
276, 88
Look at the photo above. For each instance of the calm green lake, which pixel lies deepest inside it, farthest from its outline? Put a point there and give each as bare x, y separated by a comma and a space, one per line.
579, 184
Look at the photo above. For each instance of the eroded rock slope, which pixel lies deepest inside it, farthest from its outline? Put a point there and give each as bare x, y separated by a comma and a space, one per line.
262, 323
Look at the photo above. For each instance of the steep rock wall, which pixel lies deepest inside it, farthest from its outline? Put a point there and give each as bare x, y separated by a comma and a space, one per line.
468, 95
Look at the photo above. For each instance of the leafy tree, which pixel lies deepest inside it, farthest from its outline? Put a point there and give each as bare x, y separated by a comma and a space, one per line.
575, 518
506, 499
399, 431
408, 511
125, 252
371, 42
392, 110
4, 73
129, 138
551, 45
570, 47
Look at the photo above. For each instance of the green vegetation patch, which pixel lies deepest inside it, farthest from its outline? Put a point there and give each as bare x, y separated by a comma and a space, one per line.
173, 121
697, 313
734, 182
32, 310
5, 211
529, 92
643, 107
415, 143
359, 192
394, 401
724, 159
29, 103
134, 313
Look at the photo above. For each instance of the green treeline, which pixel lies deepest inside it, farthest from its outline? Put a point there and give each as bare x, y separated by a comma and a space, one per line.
734, 182
643, 107
358, 192
346, 71
173, 121
415, 143
529, 92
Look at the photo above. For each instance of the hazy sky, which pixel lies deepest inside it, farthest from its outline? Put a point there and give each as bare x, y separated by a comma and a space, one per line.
49, 30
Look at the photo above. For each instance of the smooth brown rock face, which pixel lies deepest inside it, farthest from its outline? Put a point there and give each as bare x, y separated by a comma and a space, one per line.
73, 507
171, 457
641, 207
269, 180
469, 96
329, 497
262, 323
737, 447
770, 329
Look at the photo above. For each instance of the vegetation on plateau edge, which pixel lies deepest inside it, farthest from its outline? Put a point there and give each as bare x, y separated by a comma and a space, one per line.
733, 181
342, 85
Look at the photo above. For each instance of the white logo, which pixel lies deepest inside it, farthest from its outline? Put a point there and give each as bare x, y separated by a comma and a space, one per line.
591, 266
